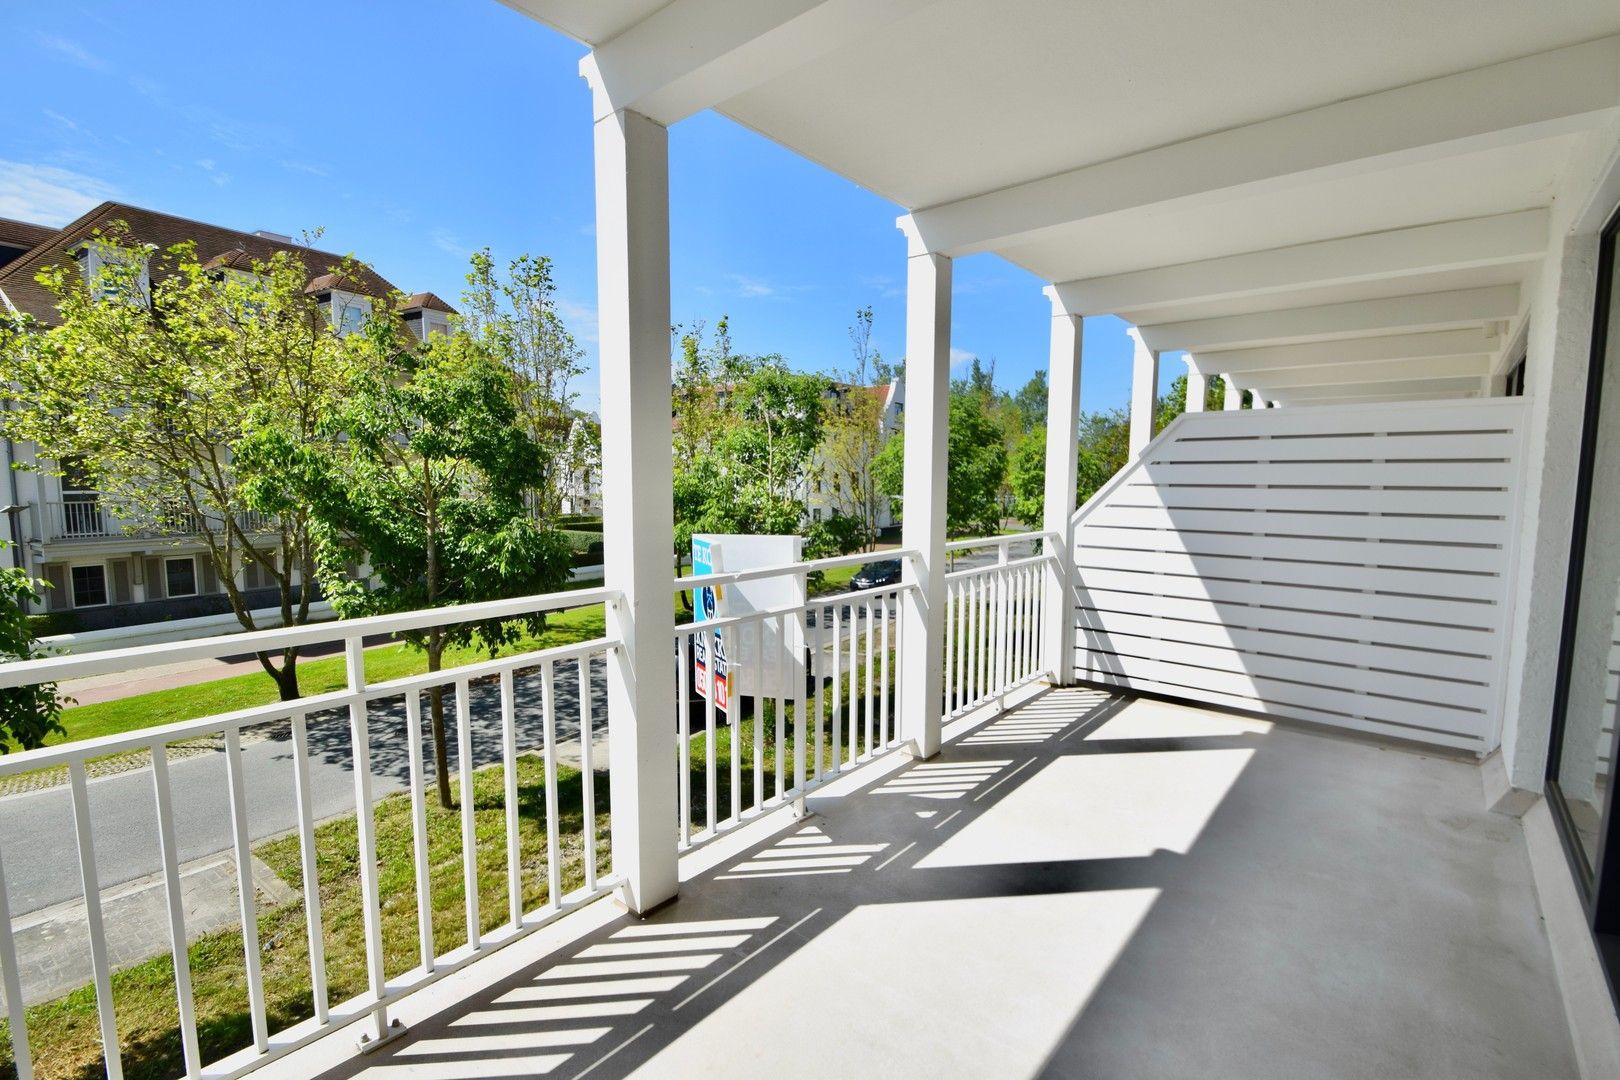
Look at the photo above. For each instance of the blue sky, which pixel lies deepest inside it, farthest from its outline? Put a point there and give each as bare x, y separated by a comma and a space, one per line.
413, 138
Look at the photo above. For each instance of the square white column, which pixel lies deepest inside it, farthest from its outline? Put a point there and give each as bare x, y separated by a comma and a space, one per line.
928, 390
1144, 392
1197, 387
1062, 468
1234, 397
638, 511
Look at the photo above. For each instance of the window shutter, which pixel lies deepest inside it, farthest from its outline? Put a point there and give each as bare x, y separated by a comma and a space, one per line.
156, 589
56, 597
120, 581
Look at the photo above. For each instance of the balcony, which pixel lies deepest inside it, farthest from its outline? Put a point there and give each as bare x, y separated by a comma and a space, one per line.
95, 518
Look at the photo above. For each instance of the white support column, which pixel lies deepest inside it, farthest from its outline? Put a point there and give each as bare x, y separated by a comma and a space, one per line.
1062, 466
632, 268
928, 388
1144, 392
1197, 387
1234, 396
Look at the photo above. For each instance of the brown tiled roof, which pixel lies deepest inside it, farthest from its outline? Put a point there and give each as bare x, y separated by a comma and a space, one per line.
425, 300
24, 235
163, 231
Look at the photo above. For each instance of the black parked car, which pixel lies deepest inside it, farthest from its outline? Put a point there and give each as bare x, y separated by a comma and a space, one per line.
876, 575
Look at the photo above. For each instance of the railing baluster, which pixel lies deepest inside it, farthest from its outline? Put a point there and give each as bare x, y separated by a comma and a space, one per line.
883, 696
683, 748
419, 839
950, 648
587, 769
852, 748
758, 687
308, 866
801, 713
837, 705
960, 698
176, 910
514, 861
711, 683
366, 830
871, 668
815, 680
548, 676
112, 1055
244, 887
22, 1058
781, 702
469, 822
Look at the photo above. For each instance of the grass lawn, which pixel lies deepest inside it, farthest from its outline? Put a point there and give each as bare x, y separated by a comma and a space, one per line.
64, 1033
325, 674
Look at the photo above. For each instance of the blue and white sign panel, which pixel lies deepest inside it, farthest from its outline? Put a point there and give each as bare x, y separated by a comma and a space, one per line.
751, 659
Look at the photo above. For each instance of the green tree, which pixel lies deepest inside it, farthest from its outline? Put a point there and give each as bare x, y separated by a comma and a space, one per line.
165, 382
854, 432
431, 480
27, 713
976, 465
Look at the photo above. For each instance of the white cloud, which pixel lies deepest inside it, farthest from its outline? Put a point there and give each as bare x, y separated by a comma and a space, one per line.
753, 288
303, 167
961, 357
448, 242
48, 195
579, 318
73, 52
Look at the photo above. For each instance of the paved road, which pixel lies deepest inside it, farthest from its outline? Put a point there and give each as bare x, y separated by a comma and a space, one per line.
36, 828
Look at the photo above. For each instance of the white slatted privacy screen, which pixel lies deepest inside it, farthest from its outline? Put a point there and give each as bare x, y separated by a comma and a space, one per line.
1343, 565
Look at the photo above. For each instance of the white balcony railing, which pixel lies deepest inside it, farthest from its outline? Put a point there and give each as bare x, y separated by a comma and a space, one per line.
993, 620
813, 692
359, 701
97, 518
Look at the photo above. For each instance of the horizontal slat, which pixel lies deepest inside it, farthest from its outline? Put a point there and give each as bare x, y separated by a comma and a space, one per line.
1216, 496
1462, 415
1444, 558
1307, 597
1260, 665
1283, 698
1427, 474
1323, 620
1370, 526
1373, 654
1378, 579
1361, 447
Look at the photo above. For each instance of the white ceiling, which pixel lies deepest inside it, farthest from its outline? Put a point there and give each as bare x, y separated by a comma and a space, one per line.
931, 102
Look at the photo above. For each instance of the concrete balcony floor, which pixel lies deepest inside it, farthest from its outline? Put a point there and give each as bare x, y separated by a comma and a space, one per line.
1084, 886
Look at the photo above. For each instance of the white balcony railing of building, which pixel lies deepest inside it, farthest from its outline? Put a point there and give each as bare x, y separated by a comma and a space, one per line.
97, 518
813, 691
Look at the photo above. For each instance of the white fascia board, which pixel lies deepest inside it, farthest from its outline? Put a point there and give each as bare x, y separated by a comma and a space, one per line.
1426, 249
692, 55
1523, 100
1452, 310
1383, 371
1349, 351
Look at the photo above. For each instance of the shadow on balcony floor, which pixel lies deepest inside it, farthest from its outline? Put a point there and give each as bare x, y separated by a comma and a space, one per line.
1084, 886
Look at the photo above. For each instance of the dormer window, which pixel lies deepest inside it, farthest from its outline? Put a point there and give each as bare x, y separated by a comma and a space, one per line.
108, 271
347, 312
434, 322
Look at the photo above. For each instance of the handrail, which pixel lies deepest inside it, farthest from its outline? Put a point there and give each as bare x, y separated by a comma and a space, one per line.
991, 568
59, 668
811, 604
1000, 541
784, 569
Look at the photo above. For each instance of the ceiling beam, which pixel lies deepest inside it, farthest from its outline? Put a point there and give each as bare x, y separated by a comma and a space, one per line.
1412, 390
1348, 351
692, 55
1383, 371
1522, 100
1426, 249
1457, 309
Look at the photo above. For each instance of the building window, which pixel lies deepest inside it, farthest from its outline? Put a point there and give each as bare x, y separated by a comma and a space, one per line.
108, 268
432, 325
89, 585
180, 576
347, 312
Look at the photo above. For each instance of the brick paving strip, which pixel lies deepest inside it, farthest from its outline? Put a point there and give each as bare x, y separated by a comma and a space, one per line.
53, 946
114, 764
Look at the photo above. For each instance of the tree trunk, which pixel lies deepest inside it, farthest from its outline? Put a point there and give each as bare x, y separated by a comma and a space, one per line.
441, 752
285, 676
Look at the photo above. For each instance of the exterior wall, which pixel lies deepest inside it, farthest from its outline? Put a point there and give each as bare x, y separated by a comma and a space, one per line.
1559, 352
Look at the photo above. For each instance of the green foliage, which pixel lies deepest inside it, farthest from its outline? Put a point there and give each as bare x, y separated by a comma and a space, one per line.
190, 396
27, 713
835, 534
976, 464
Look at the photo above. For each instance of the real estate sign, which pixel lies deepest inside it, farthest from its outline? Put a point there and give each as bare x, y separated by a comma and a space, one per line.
754, 658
